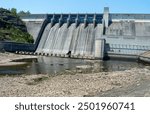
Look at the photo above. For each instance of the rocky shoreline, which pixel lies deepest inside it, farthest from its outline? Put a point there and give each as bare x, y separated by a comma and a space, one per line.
8, 59
74, 85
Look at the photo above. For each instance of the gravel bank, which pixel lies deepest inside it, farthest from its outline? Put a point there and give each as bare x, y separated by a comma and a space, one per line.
70, 85
78, 85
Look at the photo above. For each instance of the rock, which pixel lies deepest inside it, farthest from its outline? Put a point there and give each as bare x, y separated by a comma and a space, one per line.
84, 67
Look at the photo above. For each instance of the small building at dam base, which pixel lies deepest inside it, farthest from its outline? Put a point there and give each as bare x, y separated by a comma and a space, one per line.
93, 36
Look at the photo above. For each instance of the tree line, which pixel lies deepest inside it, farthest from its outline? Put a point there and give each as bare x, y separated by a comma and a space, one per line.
20, 13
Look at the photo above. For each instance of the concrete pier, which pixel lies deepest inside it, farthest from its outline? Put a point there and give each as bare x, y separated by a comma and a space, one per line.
99, 48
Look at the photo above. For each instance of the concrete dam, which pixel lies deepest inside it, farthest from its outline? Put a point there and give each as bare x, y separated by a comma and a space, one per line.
90, 35
63, 38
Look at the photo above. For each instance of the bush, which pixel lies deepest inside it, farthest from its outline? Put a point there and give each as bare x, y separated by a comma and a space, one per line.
12, 28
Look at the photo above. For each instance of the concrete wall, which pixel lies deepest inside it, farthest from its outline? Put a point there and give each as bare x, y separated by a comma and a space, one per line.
34, 24
128, 37
33, 27
123, 45
118, 16
99, 48
13, 47
128, 28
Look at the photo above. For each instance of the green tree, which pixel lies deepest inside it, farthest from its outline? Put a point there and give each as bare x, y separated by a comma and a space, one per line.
23, 13
12, 28
14, 11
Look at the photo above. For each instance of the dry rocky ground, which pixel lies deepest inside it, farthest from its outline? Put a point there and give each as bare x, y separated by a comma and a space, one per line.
69, 85
7, 58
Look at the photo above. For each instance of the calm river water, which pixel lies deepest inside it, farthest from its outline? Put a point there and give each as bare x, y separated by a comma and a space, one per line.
51, 65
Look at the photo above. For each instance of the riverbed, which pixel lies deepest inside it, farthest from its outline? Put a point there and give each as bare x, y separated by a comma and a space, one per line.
133, 81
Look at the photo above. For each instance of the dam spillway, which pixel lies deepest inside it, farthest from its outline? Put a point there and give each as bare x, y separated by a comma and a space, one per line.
75, 35
90, 35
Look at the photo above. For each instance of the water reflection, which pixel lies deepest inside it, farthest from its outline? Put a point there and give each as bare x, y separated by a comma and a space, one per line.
52, 65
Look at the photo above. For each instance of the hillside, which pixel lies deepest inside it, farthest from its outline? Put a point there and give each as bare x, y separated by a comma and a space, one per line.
12, 28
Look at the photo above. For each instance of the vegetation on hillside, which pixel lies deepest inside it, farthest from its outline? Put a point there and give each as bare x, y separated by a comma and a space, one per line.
12, 28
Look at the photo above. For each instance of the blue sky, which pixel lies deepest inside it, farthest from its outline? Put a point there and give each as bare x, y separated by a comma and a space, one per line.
78, 6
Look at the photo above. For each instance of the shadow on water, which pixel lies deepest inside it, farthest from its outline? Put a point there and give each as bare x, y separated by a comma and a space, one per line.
53, 65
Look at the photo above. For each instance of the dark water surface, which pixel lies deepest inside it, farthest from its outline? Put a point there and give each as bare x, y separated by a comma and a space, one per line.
51, 65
